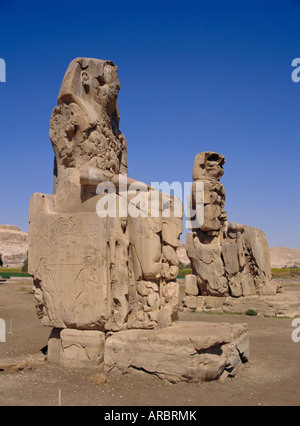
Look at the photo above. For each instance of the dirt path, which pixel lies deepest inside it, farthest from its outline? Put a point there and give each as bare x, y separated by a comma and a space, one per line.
271, 377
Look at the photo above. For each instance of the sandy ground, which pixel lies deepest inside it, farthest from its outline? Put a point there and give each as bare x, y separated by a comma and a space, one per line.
271, 377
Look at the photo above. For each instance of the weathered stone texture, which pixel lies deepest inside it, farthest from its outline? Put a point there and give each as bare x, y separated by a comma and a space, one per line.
93, 272
106, 283
227, 258
76, 348
186, 351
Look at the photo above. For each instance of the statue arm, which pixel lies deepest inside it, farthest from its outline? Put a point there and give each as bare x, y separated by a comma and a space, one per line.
93, 176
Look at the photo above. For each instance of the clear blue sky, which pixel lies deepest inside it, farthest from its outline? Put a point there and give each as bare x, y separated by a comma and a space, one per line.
195, 76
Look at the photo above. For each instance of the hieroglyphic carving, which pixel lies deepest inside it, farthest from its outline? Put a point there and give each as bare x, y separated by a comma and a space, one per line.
71, 271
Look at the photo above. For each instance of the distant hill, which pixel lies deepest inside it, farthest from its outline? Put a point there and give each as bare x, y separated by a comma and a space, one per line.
13, 245
284, 257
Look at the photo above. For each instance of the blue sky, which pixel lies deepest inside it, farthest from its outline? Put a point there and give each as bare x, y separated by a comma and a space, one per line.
195, 76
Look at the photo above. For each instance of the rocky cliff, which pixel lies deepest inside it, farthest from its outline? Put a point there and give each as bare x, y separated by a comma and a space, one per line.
284, 257
13, 246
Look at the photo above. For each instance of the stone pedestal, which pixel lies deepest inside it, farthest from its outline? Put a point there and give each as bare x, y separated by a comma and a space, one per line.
76, 348
185, 352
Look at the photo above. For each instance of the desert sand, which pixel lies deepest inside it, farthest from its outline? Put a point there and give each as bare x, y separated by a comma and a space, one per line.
271, 377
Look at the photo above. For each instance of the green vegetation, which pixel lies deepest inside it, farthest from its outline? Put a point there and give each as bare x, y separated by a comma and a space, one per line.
10, 270
251, 313
286, 273
183, 272
6, 273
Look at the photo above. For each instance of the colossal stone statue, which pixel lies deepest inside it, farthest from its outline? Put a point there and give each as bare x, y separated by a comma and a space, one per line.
92, 272
227, 259
102, 250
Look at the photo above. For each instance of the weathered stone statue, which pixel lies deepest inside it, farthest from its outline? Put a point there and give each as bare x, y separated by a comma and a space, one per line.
84, 130
103, 255
227, 259
91, 272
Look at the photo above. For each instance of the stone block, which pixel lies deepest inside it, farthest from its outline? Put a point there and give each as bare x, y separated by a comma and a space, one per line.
76, 348
190, 302
190, 283
82, 348
54, 346
187, 351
